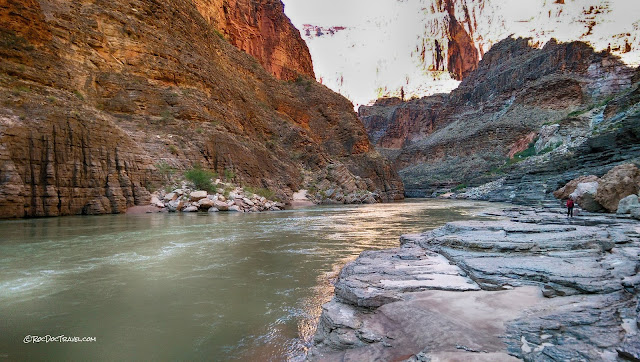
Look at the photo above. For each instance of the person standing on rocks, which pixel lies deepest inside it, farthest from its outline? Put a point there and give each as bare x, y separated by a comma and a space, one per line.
570, 205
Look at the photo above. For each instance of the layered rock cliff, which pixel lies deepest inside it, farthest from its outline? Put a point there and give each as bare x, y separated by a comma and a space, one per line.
519, 96
261, 29
96, 94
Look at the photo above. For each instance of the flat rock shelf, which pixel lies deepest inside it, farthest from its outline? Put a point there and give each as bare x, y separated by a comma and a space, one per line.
533, 285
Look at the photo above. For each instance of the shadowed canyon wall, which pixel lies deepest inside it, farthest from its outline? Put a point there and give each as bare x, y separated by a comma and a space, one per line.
519, 97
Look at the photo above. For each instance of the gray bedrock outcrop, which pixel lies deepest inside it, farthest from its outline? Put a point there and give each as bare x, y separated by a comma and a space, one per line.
532, 285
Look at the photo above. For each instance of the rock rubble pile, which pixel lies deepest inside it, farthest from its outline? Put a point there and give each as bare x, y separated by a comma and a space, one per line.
237, 200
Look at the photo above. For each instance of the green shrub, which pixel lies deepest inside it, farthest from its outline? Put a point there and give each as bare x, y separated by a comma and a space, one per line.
78, 94
530, 151
165, 170
173, 149
229, 174
459, 187
166, 116
602, 103
21, 89
550, 148
219, 34
266, 193
201, 178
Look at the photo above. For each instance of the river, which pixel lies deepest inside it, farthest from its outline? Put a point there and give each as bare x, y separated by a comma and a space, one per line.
226, 286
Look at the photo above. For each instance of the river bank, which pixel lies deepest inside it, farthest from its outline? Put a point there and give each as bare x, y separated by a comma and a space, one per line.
533, 285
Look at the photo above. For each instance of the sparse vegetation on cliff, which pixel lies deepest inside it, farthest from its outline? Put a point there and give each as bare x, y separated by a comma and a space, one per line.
260, 191
201, 178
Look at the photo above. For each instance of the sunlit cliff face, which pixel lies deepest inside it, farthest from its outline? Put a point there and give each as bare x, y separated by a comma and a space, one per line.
365, 50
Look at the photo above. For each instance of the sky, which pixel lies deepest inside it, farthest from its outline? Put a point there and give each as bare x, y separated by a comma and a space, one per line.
380, 51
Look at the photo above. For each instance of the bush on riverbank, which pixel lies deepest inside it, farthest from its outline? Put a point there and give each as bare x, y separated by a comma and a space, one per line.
201, 178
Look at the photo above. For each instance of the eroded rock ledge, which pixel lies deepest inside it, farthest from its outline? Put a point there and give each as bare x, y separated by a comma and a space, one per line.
533, 285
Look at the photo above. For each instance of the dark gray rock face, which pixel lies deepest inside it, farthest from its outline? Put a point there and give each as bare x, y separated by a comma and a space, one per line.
533, 182
534, 286
579, 109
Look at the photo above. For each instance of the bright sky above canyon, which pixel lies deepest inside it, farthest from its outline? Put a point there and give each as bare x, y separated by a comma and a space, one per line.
381, 49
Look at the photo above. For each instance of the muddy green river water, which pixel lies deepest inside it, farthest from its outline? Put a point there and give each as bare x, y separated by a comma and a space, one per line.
217, 287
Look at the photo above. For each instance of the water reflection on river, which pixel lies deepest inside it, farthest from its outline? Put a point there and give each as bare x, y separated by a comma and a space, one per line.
185, 286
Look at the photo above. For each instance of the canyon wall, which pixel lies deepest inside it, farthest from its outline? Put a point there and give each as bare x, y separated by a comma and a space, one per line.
261, 29
516, 98
98, 97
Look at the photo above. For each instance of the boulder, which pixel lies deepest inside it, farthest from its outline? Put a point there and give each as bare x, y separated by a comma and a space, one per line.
170, 196
635, 213
626, 204
197, 195
247, 201
174, 205
190, 209
205, 204
213, 210
564, 192
369, 200
222, 206
620, 182
235, 208
350, 199
585, 196
154, 200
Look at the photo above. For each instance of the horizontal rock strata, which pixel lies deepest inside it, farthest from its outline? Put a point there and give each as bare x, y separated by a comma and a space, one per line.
535, 117
98, 97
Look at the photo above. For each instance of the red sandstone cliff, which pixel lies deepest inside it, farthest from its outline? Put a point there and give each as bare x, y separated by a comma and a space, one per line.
261, 29
95, 94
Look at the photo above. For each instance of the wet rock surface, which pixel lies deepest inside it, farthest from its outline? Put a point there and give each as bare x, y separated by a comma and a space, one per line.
533, 285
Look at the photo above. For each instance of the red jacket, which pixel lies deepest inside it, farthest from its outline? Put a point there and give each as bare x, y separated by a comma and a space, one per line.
569, 203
